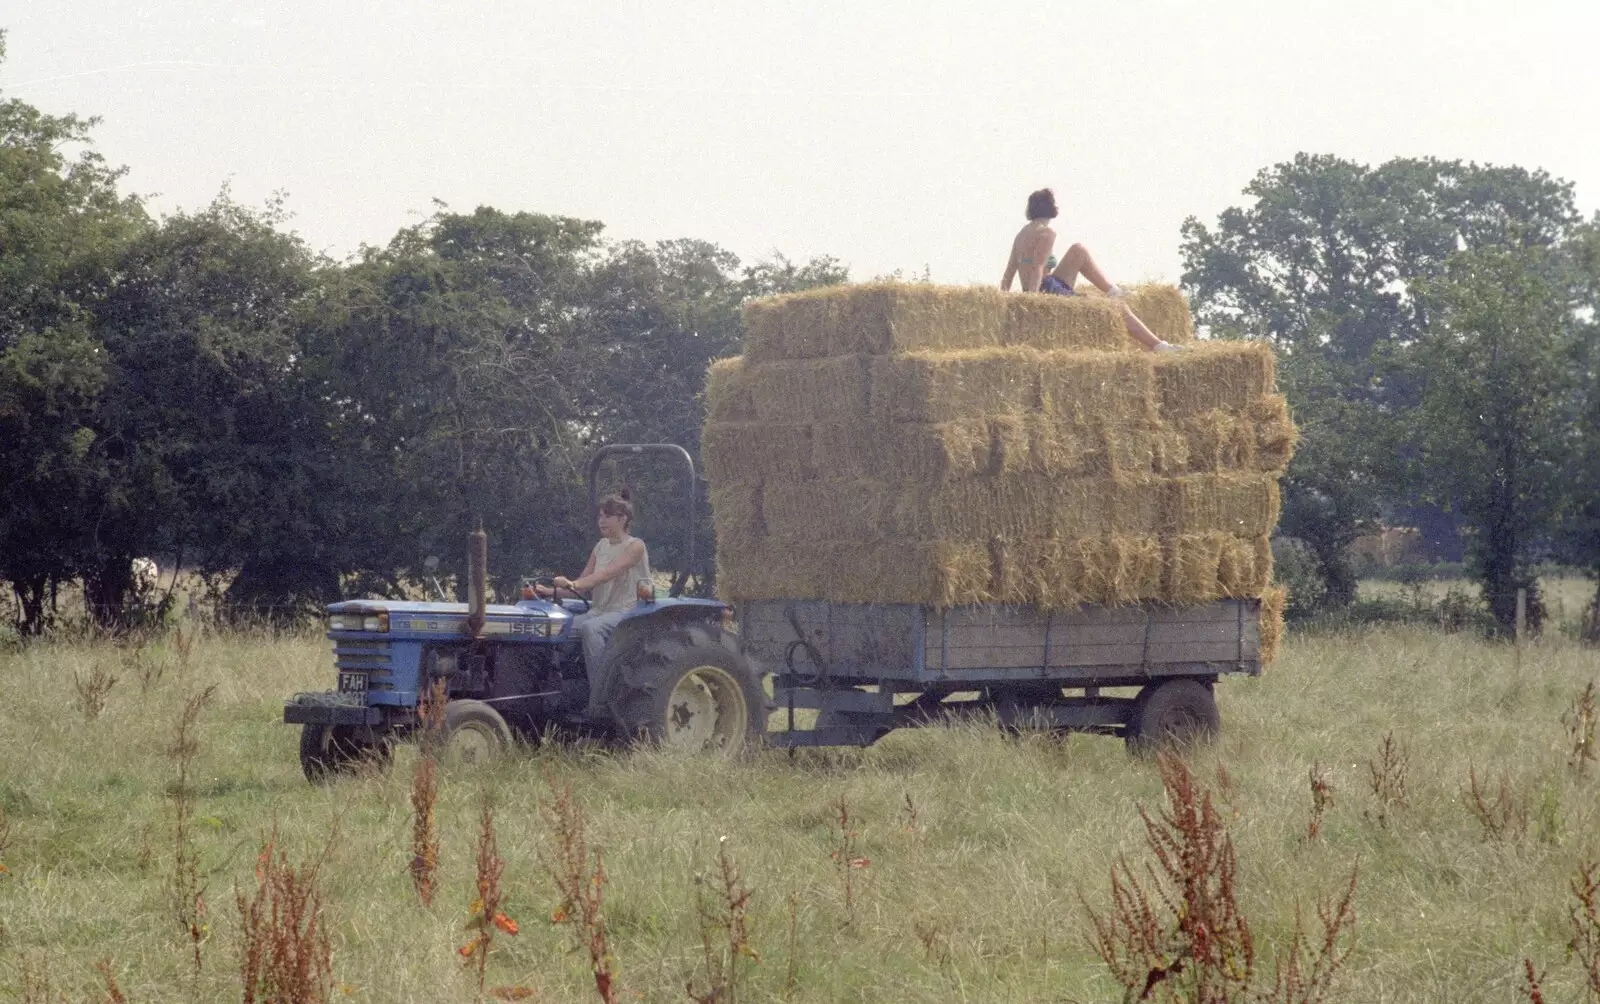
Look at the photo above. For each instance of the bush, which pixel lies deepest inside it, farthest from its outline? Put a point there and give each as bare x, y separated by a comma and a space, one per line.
1295, 568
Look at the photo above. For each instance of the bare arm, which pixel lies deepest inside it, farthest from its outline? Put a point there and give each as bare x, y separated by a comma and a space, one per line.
621, 563
1011, 271
569, 587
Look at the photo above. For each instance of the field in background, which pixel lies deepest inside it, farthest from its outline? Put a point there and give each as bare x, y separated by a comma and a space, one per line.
979, 849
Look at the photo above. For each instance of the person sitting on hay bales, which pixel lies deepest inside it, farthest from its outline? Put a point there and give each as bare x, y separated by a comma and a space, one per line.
1031, 258
617, 564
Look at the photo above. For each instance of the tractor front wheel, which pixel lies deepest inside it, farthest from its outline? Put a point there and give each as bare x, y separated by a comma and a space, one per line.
475, 734
328, 752
692, 688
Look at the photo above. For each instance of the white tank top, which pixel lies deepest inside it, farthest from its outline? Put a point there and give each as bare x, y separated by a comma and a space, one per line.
621, 592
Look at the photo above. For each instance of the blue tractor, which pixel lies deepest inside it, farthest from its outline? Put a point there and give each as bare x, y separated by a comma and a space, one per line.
673, 673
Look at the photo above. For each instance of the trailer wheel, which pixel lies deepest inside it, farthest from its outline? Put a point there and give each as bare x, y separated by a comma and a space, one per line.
691, 688
1174, 713
474, 734
328, 752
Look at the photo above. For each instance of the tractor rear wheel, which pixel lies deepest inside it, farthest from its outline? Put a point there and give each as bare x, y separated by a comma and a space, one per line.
328, 752
692, 688
475, 734
1174, 713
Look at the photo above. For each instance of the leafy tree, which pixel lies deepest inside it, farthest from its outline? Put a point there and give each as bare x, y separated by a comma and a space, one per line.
1579, 524
62, 224
447, 357
208, 442
1496, 377
1329, 263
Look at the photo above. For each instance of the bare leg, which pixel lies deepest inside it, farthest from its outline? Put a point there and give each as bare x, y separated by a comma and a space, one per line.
1079, 260
1141, 334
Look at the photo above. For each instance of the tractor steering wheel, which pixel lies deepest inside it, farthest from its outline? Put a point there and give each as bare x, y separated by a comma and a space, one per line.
555, 594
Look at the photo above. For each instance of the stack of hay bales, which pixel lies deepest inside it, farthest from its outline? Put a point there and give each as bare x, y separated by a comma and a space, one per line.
910, 443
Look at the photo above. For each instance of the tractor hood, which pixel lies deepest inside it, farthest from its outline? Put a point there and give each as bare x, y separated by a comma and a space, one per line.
528, 619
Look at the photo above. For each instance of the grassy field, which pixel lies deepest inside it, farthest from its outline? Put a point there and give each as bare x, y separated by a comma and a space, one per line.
979, 897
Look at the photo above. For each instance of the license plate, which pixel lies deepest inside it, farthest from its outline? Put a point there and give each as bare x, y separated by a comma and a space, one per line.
353, 683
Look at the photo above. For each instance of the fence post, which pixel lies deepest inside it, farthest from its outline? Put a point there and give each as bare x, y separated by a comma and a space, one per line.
1522, 614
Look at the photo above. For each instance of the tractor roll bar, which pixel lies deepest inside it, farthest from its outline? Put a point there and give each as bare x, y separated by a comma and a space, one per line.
636, 449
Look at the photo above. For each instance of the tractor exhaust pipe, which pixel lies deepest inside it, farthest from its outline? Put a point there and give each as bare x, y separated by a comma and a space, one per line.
477, 581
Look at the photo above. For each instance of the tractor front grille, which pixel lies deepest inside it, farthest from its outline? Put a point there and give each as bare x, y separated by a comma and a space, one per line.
362, 656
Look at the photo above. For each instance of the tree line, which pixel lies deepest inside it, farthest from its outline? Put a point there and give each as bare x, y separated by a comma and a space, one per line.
1437, 338
205, 388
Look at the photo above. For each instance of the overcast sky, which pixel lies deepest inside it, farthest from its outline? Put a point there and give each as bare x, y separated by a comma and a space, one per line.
890, 135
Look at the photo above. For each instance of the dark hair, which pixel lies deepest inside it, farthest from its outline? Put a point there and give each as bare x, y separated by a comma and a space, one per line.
619, 504
1042, 205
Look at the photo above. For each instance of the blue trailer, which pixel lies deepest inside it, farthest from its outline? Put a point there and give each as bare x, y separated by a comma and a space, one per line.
867, 669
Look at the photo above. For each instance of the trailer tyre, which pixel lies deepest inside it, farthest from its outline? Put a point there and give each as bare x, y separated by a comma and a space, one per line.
691, 688
328, 752
475, 734
1175, 713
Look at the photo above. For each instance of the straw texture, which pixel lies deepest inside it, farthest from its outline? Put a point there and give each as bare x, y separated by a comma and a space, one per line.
909, 443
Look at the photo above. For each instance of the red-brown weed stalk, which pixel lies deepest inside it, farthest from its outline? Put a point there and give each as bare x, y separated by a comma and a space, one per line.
580, 885
1580, 721
845, 857
1585, 917
1503, 815
114, 994
486, 915
285, 956
186, 893
424, 795
1176, 933
724, 931
93, 692
1387, 777
1321, 799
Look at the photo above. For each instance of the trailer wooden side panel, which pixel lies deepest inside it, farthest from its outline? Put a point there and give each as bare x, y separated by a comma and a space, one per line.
919, 644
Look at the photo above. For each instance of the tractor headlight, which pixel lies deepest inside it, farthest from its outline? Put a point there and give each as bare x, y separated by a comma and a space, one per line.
359, 622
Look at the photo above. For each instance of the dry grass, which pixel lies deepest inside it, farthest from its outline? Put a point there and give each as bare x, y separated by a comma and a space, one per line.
980, 902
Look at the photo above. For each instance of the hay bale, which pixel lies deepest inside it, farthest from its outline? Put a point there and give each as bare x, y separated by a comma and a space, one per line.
1169, 450
1112, 569
748, 451
874, 318
1218, 440
737, 513
882, 318
1275, 433
1207, 376
806, 390
1235, 502
885, 317
929, 452
1044, 321
727, 392
1192, 564
1201, 567
940, 386
888, 571
1245, 566
794, 326
1072, 448
1273, 600
1162, 308
1085, 387
1257, 437
1012, 506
